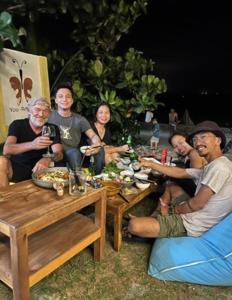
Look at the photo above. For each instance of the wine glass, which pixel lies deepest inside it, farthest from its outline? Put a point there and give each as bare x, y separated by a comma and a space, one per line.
49, 131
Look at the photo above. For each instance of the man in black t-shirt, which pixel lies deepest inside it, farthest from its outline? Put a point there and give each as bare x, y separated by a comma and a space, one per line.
24, 147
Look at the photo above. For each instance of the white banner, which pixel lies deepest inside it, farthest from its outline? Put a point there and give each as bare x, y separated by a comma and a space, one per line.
22, 76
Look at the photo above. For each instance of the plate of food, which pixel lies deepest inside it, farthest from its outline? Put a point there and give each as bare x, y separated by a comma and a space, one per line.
46, 177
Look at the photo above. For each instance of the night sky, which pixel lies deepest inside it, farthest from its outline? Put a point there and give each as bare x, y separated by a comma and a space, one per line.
190, 41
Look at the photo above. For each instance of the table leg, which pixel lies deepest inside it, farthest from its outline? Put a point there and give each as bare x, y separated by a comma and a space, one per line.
117, 231
19, 265
100, 220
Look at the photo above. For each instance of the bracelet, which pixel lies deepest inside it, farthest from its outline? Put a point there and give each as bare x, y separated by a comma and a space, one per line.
189, 206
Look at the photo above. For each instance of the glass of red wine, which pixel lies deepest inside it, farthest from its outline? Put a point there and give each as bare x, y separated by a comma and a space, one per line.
49, 131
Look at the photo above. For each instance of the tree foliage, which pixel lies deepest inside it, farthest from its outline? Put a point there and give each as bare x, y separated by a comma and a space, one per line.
7, 30
85, 53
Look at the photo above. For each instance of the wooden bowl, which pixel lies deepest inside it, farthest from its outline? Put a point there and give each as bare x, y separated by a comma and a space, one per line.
112, 187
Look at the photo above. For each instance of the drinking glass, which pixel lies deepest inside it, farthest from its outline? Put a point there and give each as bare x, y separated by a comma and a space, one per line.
77, 182
49, 131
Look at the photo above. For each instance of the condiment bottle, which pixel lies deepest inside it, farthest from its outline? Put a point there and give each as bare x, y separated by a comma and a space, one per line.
164, 156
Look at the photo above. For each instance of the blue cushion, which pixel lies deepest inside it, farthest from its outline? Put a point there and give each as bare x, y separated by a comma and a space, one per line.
203, 260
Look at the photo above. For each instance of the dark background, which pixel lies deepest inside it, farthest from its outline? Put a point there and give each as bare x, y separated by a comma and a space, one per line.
190, 41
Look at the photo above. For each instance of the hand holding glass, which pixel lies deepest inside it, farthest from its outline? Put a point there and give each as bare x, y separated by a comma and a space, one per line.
49, 131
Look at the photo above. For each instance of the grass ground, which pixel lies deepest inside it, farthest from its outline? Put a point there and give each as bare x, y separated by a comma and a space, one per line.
119, 276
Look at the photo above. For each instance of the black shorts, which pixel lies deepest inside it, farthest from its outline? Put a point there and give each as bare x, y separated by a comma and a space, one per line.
20, 171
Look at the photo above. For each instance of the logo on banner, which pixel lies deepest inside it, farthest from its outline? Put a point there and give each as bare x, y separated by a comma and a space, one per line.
22, 86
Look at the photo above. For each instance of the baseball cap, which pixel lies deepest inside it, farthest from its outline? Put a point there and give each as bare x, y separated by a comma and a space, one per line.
209, 126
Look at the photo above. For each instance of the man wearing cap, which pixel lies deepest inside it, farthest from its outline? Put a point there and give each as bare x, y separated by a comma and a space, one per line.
213, 197
24, 147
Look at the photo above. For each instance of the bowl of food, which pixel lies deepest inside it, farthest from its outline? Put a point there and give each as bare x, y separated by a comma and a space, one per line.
46, 177
142, 185
127, 182
112, 187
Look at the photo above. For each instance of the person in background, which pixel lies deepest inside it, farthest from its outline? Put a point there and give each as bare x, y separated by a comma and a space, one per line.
192, 216
154, 141
24, 147
173, 120
101, 128
71, 126
191, 160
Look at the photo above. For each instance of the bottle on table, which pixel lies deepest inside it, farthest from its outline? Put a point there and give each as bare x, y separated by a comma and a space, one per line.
164, 156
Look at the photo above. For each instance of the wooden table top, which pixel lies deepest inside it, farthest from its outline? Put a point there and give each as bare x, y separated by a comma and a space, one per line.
24, 202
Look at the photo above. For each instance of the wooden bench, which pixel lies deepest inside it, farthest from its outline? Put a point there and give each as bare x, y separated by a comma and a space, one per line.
117, 206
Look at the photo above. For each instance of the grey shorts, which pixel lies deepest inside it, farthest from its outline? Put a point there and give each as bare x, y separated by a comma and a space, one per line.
172, 225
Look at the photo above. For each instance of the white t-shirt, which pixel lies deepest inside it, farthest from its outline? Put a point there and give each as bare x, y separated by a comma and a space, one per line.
217, 175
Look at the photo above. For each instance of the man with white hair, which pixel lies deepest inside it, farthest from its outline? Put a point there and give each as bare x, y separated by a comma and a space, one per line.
24, 147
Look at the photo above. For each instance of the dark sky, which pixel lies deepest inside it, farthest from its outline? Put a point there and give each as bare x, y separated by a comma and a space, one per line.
190, 41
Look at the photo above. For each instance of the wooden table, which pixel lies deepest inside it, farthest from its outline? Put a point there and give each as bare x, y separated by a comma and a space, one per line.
117, 206
40, 231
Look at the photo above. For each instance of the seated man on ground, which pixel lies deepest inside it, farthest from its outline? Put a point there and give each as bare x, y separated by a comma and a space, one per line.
72, 125
24, 147
178, 140
212, 201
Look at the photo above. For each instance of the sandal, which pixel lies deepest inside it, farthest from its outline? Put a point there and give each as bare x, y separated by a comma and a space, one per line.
129, 237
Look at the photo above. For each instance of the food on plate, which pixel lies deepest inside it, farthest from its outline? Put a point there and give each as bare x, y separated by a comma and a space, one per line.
54, 176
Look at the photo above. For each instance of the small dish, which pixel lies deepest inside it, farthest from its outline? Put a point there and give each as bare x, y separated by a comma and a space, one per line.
135, 165
83, 149
125, 160
142, 186
127, 173
141, 176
